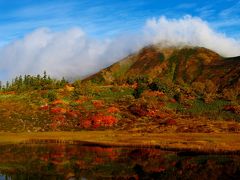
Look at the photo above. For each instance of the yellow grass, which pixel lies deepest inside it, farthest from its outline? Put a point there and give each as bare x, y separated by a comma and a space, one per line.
205, 142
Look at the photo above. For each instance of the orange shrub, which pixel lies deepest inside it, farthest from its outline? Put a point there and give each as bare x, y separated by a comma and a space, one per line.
9, 93
134, 86
81, 100
149, 93
44, 107
98, 103
163, 115
108, 121
113, 110
172, 100
58, 101
151, 113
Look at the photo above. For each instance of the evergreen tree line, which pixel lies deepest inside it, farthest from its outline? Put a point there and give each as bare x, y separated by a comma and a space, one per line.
28, 82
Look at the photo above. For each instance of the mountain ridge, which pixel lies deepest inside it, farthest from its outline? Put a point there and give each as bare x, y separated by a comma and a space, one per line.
184, 65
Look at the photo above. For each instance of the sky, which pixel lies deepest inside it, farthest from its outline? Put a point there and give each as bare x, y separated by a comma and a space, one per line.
75, 38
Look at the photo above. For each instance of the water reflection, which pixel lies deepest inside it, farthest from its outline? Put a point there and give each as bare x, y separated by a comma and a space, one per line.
75, 161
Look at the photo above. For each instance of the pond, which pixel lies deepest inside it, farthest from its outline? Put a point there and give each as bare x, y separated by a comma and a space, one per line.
51, 160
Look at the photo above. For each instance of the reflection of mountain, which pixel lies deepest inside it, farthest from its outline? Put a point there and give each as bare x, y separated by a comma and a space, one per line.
61, 161
57, 160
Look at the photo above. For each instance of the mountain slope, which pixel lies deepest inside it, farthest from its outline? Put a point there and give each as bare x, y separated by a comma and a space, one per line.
177, 65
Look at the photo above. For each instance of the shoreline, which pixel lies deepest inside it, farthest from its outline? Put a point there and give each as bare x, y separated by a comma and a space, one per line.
203, 143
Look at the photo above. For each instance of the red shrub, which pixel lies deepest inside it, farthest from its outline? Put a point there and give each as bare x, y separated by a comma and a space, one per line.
108, 121
97, 119
58, 110
87, 124
95, 126
171, 122
159, 169
102, 120
58, 118
98, 160
233, 109
53, 125
138, 110
72, 114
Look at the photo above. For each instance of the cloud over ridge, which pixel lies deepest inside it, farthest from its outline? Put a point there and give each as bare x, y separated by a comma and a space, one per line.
190, 31
72, 53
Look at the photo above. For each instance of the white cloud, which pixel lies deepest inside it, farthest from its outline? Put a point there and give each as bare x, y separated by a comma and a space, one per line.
73, 53
190, 31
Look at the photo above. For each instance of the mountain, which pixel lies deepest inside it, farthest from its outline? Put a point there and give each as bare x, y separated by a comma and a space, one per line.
184, 65
156, 90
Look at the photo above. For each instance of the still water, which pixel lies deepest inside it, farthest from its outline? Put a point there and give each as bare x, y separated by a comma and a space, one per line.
77, 161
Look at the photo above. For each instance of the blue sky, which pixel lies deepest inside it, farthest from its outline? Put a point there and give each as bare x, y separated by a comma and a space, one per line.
75, 38
106, 18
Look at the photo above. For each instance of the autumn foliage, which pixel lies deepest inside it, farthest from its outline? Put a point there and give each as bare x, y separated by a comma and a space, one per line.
61, 113
98, 103
99, 120
113, 110
58, 110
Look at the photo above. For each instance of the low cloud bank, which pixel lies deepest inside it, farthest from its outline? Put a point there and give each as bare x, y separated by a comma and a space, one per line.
73, 53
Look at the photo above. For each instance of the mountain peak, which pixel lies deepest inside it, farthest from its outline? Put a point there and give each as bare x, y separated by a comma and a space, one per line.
173, 64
